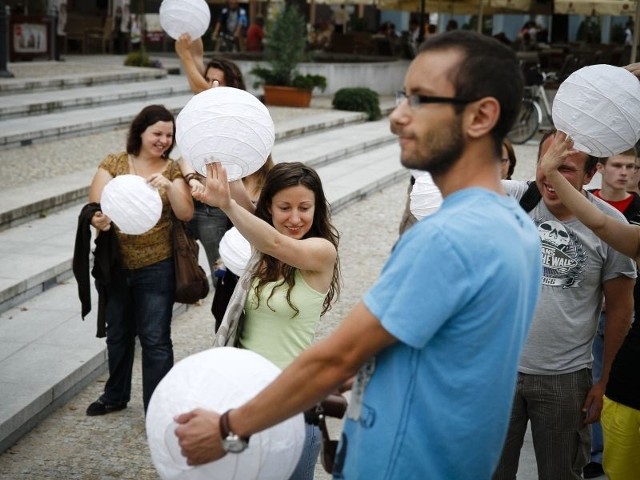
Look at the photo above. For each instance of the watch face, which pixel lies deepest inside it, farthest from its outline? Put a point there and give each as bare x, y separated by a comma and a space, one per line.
233, 444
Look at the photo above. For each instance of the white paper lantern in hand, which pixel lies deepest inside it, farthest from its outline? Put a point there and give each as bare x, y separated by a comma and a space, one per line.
184, 16
131, 203
597, 106
226, 125
425, 197
219, 379
235, 251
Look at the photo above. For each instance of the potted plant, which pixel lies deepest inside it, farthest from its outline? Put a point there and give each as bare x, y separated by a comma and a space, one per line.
285, 49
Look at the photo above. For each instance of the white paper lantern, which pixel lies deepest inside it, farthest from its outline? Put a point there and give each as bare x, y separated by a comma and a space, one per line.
226, 125
219, 379
184, 16
131, 203
235, 251
425, 197
598, 107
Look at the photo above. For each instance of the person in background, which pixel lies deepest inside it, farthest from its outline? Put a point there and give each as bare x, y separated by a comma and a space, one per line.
61, 28
296, 276
628, 34
621, 411
508, 160
340, 19
136, 32
555, 392
406, 419
117, 34
615, 172
255, 35
209, 223
633, 183
201, 77
322, 35
231, 26
140, 302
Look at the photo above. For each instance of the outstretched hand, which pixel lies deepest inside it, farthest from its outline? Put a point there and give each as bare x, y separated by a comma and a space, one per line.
216, 191
561, 147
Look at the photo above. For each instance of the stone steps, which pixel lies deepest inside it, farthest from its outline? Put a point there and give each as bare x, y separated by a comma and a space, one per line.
47, 353
45, 102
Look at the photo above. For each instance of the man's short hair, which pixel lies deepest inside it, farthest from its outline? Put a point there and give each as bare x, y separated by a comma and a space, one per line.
488, 69
632, 152
589, 165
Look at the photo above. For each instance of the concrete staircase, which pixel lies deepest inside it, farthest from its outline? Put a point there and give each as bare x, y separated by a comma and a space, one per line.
47, 353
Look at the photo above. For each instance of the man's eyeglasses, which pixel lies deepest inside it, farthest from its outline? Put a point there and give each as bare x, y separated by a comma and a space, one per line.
417, 100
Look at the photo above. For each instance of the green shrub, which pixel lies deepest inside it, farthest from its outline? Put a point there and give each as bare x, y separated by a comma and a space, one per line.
137, 59
358, 100
285, 48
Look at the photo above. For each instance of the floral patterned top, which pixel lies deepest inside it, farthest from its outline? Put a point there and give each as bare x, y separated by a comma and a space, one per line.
139, 251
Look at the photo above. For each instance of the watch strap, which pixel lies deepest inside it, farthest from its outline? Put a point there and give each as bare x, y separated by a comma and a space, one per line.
225, 428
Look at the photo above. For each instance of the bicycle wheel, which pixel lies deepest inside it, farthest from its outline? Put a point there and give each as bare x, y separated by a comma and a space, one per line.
527, 122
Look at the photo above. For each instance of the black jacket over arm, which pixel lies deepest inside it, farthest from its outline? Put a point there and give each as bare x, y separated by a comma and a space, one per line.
106, 267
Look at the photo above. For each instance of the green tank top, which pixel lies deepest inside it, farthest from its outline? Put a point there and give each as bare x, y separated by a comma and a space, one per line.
273, 331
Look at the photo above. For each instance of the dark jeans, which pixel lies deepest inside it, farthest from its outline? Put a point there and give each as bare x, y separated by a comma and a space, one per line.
209, 225
141, 304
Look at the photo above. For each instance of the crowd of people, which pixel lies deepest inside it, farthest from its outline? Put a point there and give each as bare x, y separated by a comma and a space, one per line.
481, 323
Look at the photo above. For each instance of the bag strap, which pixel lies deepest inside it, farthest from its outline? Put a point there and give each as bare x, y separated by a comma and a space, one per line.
531, 197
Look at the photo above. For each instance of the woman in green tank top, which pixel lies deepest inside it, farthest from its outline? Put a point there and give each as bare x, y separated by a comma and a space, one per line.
296, 276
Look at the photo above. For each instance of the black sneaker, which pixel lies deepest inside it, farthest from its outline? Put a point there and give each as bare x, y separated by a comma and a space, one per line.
100, 408
593, 470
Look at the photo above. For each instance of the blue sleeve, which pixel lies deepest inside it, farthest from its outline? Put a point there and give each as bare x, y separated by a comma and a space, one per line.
422, 285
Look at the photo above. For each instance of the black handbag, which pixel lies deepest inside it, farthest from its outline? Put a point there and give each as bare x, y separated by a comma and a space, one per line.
192, 283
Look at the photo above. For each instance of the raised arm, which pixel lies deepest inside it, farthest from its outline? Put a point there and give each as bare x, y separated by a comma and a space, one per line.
310, 254
192, 63
623, 237
238, 191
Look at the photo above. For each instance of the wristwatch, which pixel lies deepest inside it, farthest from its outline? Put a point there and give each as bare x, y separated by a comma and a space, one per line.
231, 443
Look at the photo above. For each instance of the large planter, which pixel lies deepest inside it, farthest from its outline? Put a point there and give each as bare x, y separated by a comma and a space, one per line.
286, 96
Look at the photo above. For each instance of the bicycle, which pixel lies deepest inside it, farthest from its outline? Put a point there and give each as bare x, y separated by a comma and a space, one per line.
226, 43
533, 102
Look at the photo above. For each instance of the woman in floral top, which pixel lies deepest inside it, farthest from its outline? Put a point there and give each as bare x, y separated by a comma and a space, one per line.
141, 301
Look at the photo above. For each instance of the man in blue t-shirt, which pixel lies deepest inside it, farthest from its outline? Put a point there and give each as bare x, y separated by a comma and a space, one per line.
435, 342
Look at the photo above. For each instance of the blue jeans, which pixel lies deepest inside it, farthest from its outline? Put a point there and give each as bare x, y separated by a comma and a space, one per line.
142, 305
306, 466
597, 350
209, 225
